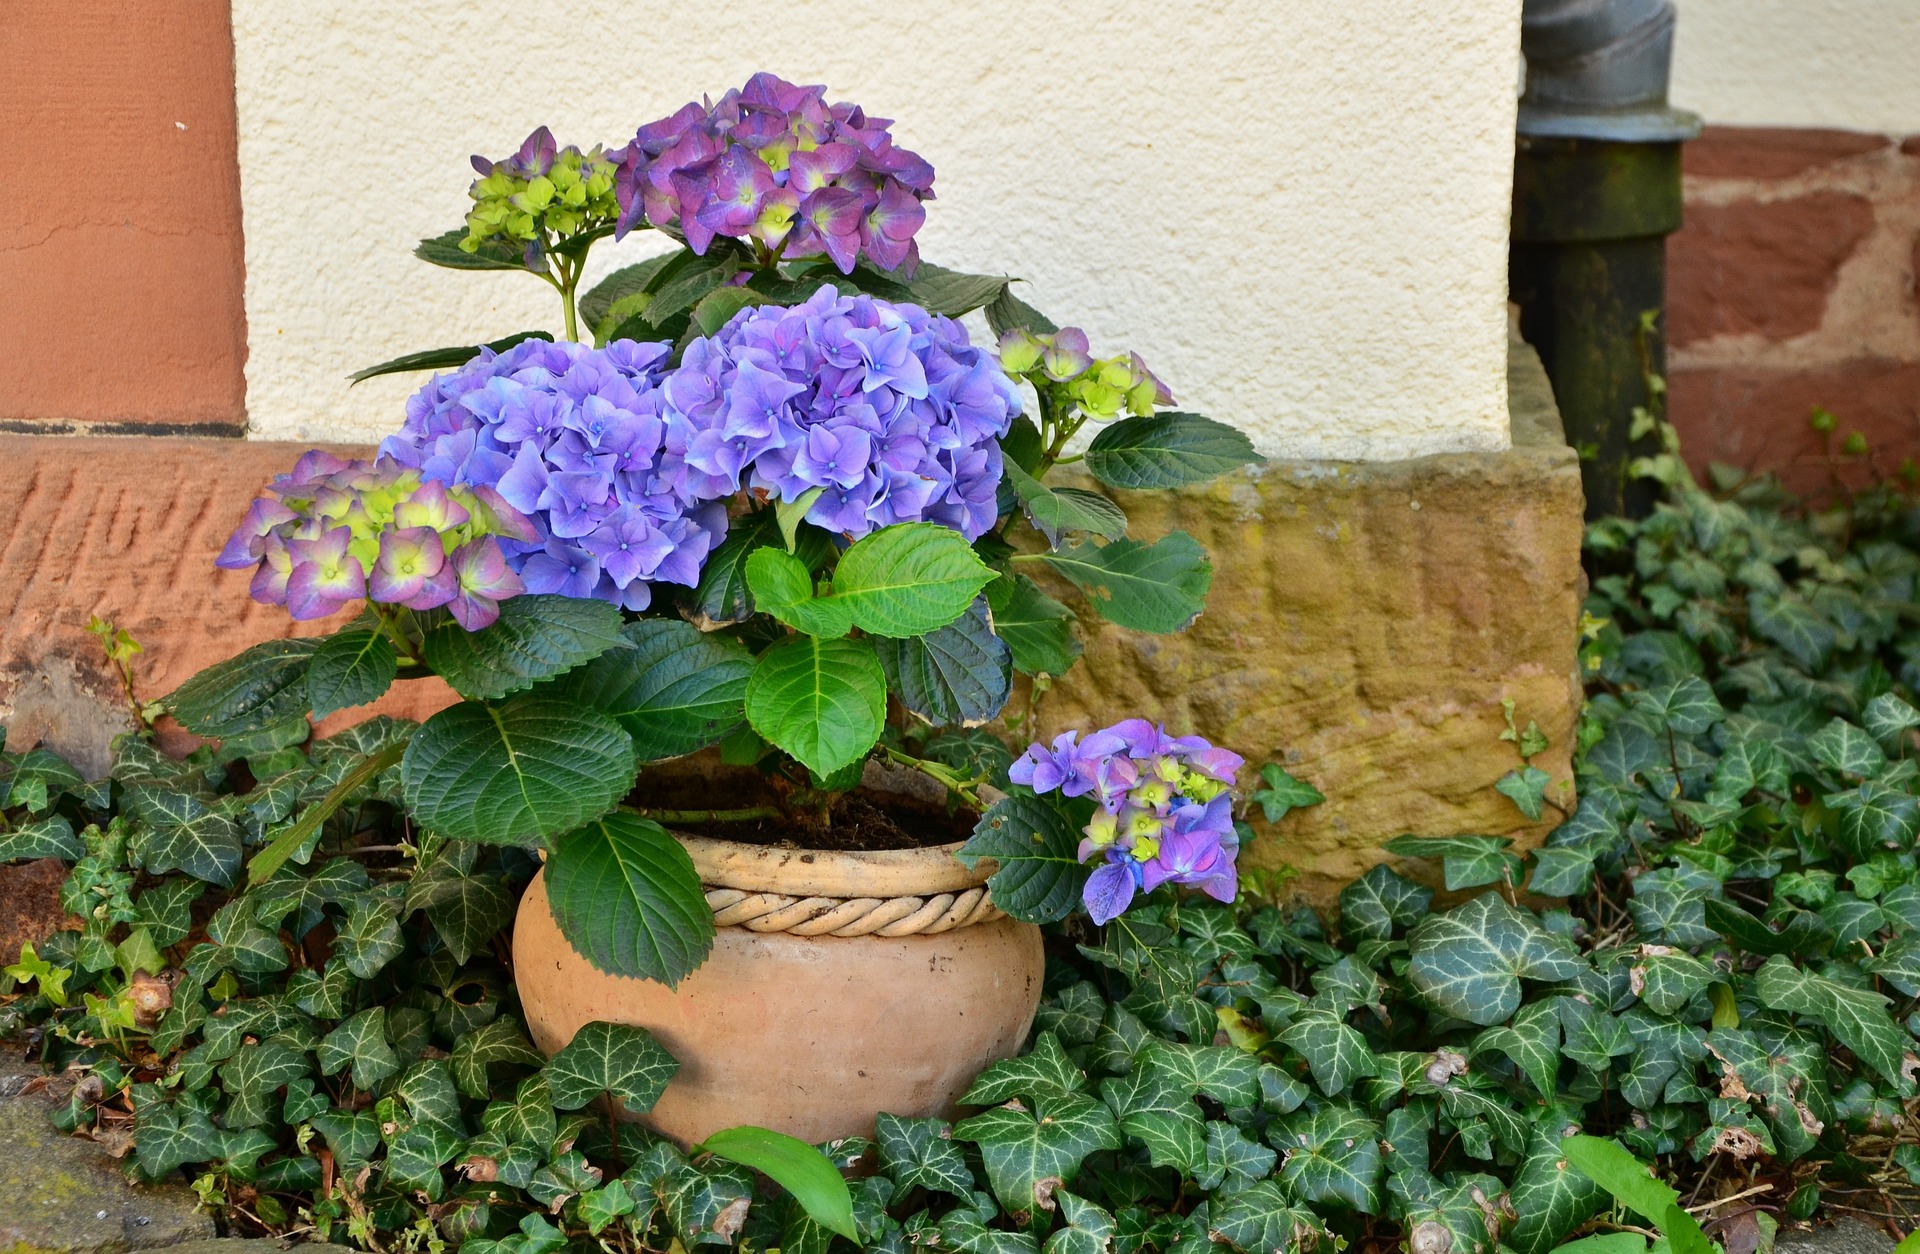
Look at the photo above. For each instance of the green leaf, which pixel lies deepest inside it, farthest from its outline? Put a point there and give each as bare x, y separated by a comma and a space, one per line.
415, 1157
349, 669
360, 1043
499, 1043
679, 285
445, 250
1375, 904
921, 1154
516, 773
1234, 1160
1283, 793
674, 689
1687, 706
1667, 979
909, 579
822, 701
352, 1138
790, 514
951, 293
713, 311
166, 909
615, 296
536, 637
1055, 512
1532, 1041
796, 1167
1798, 934
1158, 588
1788, 621
1262, 1219
467, 911
1887, 718
1842, 747
1021, 1149
179, 832
1332, 1155
452, 357
1037, 628
1526, 788
295, 837
1087, 1229
1044, 1071
1167, 450
51, 837
252, 1077
1550, 1196
169, 1135
1468, 861
1874, 818
1782, 1079
627, 897
1336, 1053
959, 675
1035, 842
1632, 1184
610, 1058
370, 936
1007, 311
783, 587
1162, 1115
1857, 1017
1469, 961
255, 689
1228, 1075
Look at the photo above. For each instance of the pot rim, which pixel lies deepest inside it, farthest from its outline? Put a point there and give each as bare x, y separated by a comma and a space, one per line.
832, 872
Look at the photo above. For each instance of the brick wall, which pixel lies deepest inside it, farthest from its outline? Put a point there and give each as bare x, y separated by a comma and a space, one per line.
1792, 286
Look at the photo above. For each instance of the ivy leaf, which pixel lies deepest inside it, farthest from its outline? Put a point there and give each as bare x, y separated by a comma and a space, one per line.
1788, 621
1234, 1160
1594, 1037
921, 1154
626, 895
353, 1138
704, 1205
350, 668
360, 1043
302, 896
537, 636
1631, 1183
1875, 818
468, 910
516, 773
499, 1043
1532, 1041
264, 685
822, 701
1467, 861
1227, 1075
1687, 706
1021, 1149
1262, 1219
1087, 1229
959, 675
795, 1166
1037, 628
526, 1120
1332, 1155
169, 1135
1842, 747
1667, 979
51, 837
1560, 872
1158, 588
1469, 962
1857, 1017
674, 689
415, 1157
1284, 793
1044, 1071
610, 1058
252, 1077
1167, 450
1887, 718
1150, 1105
166, 909
182, 833
1372, 906
1550, 1196
1336, 1053
370, 937
909, 579
1782, 1079
1527, 789
1034, 840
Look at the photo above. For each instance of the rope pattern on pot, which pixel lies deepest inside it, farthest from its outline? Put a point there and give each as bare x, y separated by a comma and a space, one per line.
851, 916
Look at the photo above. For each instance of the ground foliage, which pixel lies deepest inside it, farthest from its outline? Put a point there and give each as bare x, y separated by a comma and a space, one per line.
1729, 986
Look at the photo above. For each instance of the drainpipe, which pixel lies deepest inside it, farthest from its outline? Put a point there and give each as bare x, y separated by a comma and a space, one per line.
1596, 192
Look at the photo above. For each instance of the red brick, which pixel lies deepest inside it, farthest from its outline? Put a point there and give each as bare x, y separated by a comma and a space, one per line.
1756, 418
1910, 146
1760, 268
124, 275
1756, 152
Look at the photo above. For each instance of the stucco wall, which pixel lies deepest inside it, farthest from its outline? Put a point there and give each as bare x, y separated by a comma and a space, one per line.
1296, 211
1847, 64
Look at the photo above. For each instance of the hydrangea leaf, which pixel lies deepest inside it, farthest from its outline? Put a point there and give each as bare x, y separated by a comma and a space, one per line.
1055, 512
626, 895
822, 701
1161, 1113
1336, 1053
1857, 1016
1034, 842
921, 1154
536, 637
257, 688
722, 595
350, 668
614, 295
1263, 1219
516, 773
952, 293
1332, 1155
360, 1043
252, 1077
1043, 1071
180, 832
1023, 1148
1375, 904
1037, 628
1167, 450
959, 675
1159, 588
783, 587
1469, 961
51, 837
610, 1058
675, 689
909, 579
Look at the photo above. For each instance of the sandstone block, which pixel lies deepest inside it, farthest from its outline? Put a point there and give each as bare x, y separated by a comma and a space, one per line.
1761, 268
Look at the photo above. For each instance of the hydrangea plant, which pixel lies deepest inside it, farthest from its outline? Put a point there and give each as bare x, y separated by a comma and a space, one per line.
783, 504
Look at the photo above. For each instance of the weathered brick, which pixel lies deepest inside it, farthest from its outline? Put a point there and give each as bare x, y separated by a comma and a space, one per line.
1765, 152
1755, 417
1761, 268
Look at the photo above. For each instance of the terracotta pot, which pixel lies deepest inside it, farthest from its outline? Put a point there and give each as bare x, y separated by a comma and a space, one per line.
809, 1035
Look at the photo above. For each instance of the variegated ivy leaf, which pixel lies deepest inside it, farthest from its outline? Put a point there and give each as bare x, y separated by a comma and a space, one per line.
1594, 1037
1527, 789
1022, 1148
704, 1205
353, 1138
1044, 1071
526, 1120
180, 832
1234, 1161
1467, 861
567, 1175
253, 1076
1336, 1053
1347, 984
1532, 1041
600, 1207
1687, 706
501, 1042
168, 1135
302, 1102
1229, 1076
1119, 1042
508, 1161
1875, 818
1161, 1113
360, 1043
370, 935
920, 1153
1074, 1014
1666, 979
610, 1058
1782, 1078
1262, 1219
322, 993
1550, 1196
1465, 1207
415, 1157
1856, 1016
1843, 748
1887, 718
291, 893
166, 909
51, 837
427, 1088
1086, 1228
1332, 1155
1212, 933
1375, 904
1469, 962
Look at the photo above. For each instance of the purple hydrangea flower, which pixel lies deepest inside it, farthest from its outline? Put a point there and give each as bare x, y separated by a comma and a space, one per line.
1164, 809
885, 408
777, 163
579, 442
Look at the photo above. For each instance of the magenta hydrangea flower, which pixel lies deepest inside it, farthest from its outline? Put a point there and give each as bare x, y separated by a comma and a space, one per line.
1164, 809
886, 409
775, 162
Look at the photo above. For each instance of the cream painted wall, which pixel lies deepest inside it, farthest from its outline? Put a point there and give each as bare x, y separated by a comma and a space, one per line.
1296, 210
1846, 64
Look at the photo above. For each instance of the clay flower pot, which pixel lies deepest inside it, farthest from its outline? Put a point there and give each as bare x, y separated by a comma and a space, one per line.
840, 985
